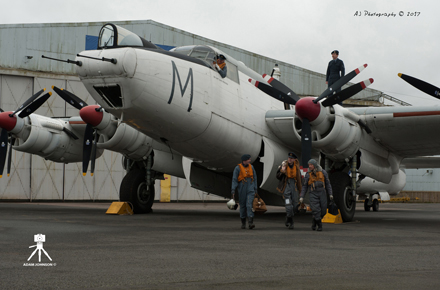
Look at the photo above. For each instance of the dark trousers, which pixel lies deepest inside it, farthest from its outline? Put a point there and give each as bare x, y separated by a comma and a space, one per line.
318, 203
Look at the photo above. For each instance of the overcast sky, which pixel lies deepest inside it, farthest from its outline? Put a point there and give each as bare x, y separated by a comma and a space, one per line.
299, 32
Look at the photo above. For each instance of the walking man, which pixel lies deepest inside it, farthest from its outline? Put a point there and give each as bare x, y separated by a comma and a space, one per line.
317, 183
244, 179
289, 175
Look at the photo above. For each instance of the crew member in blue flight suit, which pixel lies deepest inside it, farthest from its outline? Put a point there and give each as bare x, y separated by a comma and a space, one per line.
317, 183
244, 179
335, 70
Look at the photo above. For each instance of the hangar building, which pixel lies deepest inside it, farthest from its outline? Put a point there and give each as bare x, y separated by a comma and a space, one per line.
23, 72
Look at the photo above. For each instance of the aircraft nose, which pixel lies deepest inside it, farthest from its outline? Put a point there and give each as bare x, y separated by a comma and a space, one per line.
6, 122
90, 115
305, 108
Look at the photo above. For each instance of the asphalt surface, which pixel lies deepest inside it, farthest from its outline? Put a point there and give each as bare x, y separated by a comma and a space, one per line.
201, 246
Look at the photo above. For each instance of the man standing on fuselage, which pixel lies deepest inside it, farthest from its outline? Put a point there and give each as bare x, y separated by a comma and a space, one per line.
335, 70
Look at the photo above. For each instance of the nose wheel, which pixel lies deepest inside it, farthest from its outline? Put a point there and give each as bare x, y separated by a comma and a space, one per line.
134, 189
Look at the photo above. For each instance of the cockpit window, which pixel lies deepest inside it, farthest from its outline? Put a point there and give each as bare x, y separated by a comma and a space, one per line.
112, 36
106, 36
208, 55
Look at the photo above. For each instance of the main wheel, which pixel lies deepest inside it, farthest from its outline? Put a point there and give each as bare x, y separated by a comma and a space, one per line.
134, 189
375, 205
366, 206
342, 192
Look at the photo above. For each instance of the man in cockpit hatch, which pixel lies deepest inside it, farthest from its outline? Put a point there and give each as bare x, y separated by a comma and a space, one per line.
220, 65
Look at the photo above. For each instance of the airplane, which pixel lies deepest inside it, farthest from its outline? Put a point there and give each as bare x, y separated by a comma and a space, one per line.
196, 124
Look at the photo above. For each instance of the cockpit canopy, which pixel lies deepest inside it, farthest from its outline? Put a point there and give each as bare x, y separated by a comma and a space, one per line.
202, 52
112, 36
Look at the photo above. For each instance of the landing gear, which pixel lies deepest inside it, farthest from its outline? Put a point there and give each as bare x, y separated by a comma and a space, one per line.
134, 189
375, 205
343, 195
367, 206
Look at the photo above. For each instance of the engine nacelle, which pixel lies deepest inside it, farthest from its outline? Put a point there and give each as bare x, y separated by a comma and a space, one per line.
128, 141
371, 186
333, 132
47, 138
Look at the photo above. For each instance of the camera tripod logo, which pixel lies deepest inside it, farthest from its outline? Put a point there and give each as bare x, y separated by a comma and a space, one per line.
39, 239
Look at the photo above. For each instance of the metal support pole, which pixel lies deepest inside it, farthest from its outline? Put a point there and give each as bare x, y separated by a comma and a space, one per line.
353, 174
149, 164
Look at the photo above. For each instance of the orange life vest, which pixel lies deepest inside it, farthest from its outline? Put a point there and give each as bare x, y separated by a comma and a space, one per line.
245, 172
291, 172
319, 176
222, 65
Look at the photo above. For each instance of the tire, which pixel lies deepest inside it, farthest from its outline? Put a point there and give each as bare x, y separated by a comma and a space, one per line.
134, 190
366, 206
375, 205
341, 186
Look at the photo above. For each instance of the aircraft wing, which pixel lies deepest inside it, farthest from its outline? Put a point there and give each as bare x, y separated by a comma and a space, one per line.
405, 131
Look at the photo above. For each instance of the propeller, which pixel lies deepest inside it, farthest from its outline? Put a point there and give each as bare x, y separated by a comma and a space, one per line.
421, 85
281, 87
339, 83
8, 121
3, 149
95, 142
30, 100
87, 147
32, 107
10, 155
90, 134
346, 93
70, 98
306, 142
273, 92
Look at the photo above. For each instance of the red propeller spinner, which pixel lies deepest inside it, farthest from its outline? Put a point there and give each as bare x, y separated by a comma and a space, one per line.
91, 116
6, 122
305, 108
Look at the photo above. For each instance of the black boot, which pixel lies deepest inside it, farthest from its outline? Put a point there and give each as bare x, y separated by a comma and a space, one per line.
313, 224
287, 221
243, 223
291, 223
251, 223
319, 225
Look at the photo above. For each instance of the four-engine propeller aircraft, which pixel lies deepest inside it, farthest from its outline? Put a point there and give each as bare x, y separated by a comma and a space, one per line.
171, 112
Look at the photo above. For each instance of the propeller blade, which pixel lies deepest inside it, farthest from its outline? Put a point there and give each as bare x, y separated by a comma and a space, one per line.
87, 147
281, 87
306, 142
271, 91
70, 98
10, 155
339, 83
346, 93
3, 150
422, 85
1, 110
30, 100
93, 158
34, 106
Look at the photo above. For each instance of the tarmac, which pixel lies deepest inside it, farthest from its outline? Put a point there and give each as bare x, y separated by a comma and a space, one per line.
201, 246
